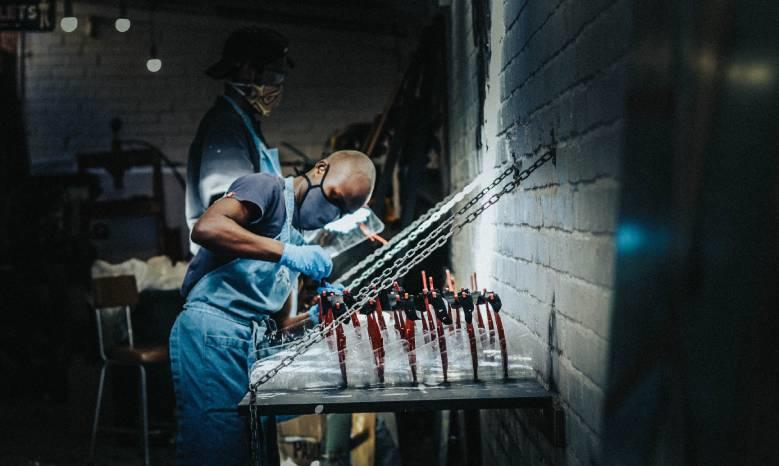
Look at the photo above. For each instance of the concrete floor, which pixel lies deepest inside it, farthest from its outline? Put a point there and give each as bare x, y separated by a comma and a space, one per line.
40, 432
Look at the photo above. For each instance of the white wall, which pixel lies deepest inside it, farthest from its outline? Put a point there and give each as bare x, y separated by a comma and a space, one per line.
548, 249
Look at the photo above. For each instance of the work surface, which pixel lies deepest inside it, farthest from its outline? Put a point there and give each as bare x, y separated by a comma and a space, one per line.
521, 393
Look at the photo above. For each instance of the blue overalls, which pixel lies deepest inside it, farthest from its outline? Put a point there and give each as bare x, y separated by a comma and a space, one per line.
213, 344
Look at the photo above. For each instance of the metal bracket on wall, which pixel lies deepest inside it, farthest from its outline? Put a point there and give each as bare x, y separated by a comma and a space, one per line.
516, 163
553, 147
550, 148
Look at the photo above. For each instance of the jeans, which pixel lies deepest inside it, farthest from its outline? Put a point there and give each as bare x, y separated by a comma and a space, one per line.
211, 353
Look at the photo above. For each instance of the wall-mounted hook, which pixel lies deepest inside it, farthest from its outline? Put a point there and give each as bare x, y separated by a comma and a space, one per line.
516, 163
553, 147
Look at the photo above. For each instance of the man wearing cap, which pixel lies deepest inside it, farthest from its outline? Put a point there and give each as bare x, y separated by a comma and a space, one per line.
229, 142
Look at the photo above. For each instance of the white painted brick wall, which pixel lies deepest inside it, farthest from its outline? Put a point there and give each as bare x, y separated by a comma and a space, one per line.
548, 249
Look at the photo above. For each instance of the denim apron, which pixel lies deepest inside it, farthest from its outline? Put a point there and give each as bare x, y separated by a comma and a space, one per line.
213, 344
269, 158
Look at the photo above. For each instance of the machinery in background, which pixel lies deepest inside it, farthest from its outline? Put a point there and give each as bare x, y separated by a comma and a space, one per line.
134, 226
405, 144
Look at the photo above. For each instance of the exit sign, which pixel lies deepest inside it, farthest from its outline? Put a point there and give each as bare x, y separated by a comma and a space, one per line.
27, 16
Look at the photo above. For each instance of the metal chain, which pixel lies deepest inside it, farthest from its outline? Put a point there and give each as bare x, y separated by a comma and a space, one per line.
411, 232
361, 294
388, 276
430, 219
508, 187
376, 281
403, 264
370, 260
439, 209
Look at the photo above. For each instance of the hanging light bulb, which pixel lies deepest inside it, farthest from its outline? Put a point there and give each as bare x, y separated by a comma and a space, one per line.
122, 23
68, 23
153, 64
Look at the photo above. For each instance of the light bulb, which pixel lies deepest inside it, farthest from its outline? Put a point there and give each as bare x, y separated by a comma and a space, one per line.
154, 64
69, 23
122, 24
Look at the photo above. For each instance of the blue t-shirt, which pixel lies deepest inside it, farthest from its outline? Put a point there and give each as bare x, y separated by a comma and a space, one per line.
264, 194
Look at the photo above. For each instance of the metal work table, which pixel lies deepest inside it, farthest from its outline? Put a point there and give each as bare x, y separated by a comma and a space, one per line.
518, 393
468, 396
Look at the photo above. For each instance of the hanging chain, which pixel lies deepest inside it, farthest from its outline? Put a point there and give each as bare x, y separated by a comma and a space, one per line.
412, 232
509, 187
431, 217
370, 260
413, 256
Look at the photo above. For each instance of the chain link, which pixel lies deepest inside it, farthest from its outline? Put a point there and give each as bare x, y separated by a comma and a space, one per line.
413, 256
423, 225
409, 235
384, 250
413, 231
399, 268
388, 273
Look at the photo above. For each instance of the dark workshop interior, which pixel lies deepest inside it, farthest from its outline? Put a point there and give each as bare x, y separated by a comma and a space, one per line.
375, 232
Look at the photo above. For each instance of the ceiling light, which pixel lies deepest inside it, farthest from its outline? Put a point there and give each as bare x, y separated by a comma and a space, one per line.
68, 23
122, 23
153, 64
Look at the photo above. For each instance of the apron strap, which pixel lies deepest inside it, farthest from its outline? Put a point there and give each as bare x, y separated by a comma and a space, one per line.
270, 165
289, 205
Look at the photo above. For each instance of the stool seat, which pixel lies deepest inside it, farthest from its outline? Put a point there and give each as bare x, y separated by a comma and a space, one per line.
139, 354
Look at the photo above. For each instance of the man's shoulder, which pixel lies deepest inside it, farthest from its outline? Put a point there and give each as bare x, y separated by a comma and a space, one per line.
266, 183
265, 179
264, 191
221, 115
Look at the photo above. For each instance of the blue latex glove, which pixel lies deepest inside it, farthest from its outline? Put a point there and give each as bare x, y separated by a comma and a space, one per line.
313, 314
308, 260
336, 288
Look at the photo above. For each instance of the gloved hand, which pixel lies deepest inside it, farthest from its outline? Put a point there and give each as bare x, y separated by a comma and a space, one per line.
313, 314
336, 288
308, 260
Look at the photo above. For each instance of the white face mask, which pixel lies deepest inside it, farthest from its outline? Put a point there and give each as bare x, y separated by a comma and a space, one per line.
263, 98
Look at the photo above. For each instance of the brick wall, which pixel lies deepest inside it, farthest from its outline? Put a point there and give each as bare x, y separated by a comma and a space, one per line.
548, 249
76, 83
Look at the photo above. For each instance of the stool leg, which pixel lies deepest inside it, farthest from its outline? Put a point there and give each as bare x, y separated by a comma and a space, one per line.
99, 402
144, 417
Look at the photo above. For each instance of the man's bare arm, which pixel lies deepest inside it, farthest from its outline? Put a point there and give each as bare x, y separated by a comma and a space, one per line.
222, 229
283, 318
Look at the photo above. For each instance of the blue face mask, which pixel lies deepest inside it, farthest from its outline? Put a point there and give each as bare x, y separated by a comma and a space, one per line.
315, 210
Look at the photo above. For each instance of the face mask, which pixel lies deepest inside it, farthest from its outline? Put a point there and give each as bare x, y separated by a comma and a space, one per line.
262, 98
315, 210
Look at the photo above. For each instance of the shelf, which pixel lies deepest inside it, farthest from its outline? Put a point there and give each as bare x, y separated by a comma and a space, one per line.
520, 393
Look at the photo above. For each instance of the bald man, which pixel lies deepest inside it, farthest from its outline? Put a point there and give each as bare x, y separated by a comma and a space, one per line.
235, 288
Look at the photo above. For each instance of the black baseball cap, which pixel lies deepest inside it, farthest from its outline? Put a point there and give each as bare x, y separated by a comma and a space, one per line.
256, 45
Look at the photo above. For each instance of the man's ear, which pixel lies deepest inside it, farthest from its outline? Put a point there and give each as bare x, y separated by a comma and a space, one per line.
321, 167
